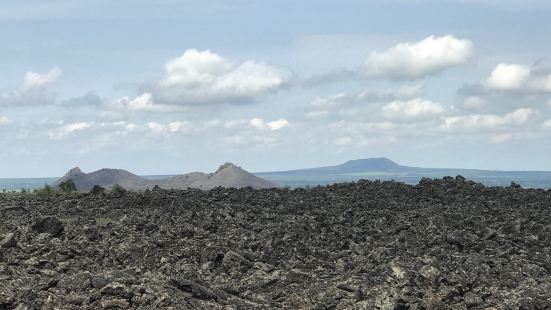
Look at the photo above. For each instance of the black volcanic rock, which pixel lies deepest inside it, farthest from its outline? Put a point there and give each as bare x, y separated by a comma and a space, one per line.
443, 244
50, 225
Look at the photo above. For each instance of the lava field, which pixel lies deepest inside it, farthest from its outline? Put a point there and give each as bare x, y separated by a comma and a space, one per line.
442, 244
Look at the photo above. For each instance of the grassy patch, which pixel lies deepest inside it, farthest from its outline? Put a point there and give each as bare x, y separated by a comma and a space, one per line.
104, 220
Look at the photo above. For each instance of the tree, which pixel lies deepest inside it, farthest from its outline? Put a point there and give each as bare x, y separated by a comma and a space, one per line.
68, 186
44, 192
118, 190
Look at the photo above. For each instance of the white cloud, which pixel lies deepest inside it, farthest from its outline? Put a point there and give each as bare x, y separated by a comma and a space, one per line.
68, 129
31, 91
359, 103
178, 126
278, 124
518, 78
367, 96
143, 103
419, 59
415, 108
508, 77
250, 132
317, 114
155, 127
199, 77
173, 127
547, 124
35, 80
473, 122
274, 125
4, 120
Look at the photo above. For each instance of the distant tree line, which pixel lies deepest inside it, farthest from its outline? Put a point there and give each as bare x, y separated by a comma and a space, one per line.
67, 187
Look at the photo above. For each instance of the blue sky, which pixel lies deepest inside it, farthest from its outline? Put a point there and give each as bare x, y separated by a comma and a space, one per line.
176, 86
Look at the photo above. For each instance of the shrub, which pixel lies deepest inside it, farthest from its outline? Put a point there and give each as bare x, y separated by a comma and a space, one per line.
118, 190
68, 186
44, 192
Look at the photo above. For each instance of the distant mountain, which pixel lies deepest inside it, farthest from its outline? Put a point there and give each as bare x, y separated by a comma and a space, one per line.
351, 166
105, 178
228, 175
386, 169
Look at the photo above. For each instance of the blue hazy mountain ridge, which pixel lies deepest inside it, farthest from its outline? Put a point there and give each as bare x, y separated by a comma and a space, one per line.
385, 169
351, 166
381, 168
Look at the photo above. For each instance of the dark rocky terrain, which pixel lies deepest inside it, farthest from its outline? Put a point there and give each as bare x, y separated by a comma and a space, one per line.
443, 244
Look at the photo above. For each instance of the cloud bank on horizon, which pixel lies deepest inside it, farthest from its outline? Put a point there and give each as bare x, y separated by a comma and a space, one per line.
428, 93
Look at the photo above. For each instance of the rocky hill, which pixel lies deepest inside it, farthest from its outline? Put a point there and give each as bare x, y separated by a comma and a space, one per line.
227, 175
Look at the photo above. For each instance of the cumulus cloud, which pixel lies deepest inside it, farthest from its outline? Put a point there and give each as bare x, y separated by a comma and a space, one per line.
514, 79
274, 125
415, 108
508, 77
246, 132
321, 107
474, 122
172, 127
547, 124
199, 77
34, 80
412, 60
143, 103
31, 91
68, 129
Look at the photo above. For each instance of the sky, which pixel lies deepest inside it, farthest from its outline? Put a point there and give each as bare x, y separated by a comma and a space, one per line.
166, 86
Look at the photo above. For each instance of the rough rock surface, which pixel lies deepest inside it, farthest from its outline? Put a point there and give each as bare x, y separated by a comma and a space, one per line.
443, 244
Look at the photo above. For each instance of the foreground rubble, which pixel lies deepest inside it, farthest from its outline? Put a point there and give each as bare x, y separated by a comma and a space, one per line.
443, 244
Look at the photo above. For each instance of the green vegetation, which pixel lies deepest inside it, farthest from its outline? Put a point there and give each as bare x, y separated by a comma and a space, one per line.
44, 192
118, 190
68, 186
104, 221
